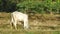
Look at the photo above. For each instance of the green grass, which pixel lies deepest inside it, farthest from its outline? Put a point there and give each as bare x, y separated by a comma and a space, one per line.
28, 32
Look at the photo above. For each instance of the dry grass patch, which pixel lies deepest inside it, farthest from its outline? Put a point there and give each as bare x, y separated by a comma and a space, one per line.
39, 24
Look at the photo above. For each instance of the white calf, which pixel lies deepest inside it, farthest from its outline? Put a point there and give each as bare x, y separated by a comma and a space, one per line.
18, 16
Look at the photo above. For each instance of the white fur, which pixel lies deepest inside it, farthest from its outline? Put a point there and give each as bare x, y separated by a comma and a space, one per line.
18, 16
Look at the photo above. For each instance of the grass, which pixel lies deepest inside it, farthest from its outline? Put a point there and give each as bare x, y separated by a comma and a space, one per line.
39, 24
28, 32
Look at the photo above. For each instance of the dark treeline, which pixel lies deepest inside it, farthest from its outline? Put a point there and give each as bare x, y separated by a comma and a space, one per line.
7, 6
37, 6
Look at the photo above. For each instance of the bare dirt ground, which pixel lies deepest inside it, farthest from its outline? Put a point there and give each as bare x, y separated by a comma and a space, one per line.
39, 23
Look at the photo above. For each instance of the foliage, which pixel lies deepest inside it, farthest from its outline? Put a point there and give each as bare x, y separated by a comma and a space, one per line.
7, 5
39, 6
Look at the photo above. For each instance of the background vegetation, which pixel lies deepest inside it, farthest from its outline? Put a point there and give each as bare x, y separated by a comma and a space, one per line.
37, 6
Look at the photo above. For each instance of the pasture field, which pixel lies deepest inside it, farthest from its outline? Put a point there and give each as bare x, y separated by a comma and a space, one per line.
39, 24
